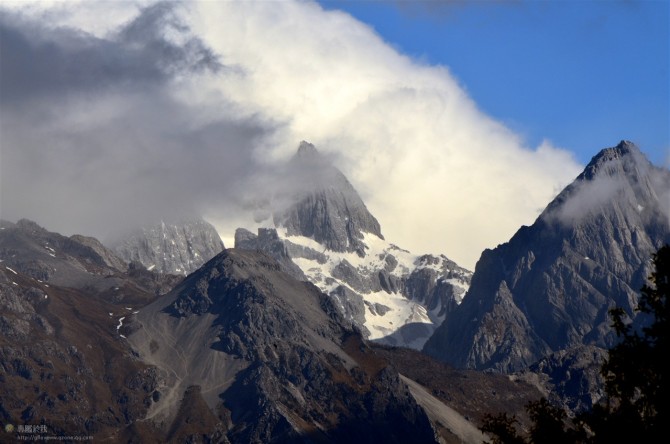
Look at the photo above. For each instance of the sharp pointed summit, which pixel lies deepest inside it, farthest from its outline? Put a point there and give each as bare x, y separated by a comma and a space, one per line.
550, 287
306, 150
618, 179
624, 159
328, 236
327, 208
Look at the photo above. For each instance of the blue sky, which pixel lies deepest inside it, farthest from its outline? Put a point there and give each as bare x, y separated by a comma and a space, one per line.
583, 74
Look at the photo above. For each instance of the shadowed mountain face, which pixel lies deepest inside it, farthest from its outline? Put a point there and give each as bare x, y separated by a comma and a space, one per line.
272, 358
328, 209
175, 248
551, 286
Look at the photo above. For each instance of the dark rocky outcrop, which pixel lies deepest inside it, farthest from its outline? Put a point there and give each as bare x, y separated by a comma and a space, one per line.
268, 241
573, 377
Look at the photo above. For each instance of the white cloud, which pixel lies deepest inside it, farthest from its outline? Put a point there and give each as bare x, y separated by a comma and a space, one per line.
440, 175
93, 17
589, 197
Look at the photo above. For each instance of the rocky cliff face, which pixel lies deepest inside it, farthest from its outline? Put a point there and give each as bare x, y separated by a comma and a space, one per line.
273, 359
551, 286
572, 377
326, 206
175, 248
327, 236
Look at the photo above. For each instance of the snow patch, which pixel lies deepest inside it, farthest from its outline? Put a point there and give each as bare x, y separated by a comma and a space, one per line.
402, 311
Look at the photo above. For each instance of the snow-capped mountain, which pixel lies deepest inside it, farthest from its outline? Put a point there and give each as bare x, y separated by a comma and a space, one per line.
550, 287
175, 248
328, 236
238, 351
326, 207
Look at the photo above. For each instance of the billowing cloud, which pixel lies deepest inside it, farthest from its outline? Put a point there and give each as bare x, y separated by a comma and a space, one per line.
190, 106
589, 198
94, 139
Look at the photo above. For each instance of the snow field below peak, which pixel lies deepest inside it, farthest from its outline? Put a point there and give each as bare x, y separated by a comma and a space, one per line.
397, 310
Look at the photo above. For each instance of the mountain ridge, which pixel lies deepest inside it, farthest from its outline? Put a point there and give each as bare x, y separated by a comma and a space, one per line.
175, 247
550, 287
289, 362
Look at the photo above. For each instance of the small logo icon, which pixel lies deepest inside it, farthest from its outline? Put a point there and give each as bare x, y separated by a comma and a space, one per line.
9, 428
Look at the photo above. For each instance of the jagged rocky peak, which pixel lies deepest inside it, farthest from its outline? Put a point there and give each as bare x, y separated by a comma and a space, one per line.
550, 287
612, 160
179, 247
326, 206
617, 180
306, 151
328, 237
30, 226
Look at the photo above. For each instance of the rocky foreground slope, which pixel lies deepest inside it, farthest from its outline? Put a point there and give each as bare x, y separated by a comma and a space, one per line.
64, 365
272, 358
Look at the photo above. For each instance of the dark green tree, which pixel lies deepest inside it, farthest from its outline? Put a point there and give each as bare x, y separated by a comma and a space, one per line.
636, 371
549, 424
502, 429
636, 381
